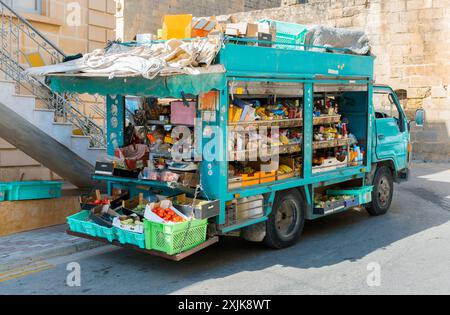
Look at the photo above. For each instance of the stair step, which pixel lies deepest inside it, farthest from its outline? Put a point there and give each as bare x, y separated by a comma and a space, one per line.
7, 81
81, 146
24, 96
45, 110
62, 123
23, 106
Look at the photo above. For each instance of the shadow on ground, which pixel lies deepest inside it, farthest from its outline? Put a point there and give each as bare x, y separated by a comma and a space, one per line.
345, 237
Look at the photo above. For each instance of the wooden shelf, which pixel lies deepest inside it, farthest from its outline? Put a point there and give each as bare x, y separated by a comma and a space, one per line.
179, 257
282, 149
330, 144
282, 123
326, 119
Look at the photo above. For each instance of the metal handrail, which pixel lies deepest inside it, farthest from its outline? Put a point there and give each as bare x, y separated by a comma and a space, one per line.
28, 24
59, 103
66, 106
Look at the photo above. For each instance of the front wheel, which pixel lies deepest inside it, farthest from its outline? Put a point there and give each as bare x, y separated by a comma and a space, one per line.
286, 222
383, 192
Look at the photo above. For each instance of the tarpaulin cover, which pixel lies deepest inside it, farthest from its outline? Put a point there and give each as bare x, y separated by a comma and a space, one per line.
159, 87
356, 42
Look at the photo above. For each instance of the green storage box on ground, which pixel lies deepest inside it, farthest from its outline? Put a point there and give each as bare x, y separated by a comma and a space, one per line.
80, 223
33, 190
126, 237
363, 193
3, 190
173, 239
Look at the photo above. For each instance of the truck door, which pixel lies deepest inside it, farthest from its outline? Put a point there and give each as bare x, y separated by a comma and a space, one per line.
392, 135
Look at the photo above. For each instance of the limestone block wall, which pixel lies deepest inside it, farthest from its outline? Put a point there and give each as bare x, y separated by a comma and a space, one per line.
145, 16
411, 40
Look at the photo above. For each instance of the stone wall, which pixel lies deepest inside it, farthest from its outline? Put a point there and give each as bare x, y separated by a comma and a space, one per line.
145, 16
411, 40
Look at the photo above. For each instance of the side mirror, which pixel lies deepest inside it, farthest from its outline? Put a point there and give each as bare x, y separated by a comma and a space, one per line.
420, 117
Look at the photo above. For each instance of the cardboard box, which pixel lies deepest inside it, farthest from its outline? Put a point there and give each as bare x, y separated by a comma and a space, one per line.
250, 180
242, 29
177, 26
267, 177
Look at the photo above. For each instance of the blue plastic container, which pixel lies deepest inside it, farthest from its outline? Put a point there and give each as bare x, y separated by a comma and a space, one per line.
3, 190
33, 190
126, 237
80, 223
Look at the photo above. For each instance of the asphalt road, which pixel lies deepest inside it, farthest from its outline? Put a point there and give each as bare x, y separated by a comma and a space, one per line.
411, 245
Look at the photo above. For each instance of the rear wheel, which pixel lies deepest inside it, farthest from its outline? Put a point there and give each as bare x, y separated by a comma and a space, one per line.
286, 222
383, 192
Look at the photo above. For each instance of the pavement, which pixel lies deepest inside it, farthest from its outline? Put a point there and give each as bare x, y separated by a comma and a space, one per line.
403, 252
33, 246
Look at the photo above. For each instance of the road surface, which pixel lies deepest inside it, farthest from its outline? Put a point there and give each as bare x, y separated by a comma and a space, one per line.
405, 252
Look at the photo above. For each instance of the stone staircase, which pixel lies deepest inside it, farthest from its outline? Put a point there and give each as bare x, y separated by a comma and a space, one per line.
28, 105
44, 119
56, 138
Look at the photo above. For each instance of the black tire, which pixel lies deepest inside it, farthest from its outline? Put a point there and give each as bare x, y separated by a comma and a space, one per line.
383, 192
286, 222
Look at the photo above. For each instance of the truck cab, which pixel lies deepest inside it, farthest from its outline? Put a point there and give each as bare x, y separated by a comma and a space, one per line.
391, 154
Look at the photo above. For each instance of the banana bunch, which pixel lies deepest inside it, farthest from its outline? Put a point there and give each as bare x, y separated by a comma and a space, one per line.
261, 112
284, 140
284, 169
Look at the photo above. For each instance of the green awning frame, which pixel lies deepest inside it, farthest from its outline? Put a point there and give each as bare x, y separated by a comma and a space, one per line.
159, 87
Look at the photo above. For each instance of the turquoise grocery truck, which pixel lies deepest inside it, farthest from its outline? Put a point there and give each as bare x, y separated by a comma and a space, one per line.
340, 141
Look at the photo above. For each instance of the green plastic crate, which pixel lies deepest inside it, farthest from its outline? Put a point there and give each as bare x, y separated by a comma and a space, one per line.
169, 238
33, 190
80, 223
3, 190
289, 33
364, 193
126, 237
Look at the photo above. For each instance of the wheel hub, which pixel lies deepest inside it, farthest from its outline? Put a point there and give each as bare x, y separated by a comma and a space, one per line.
384, 191
286, 218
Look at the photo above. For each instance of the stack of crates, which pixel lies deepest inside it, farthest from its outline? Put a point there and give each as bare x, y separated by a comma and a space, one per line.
293, 35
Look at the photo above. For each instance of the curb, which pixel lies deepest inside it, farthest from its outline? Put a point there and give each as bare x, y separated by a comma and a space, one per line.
64, 250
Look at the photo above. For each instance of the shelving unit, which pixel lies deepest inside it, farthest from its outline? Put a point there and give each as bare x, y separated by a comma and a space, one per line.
317, 145
282, 123
270, 94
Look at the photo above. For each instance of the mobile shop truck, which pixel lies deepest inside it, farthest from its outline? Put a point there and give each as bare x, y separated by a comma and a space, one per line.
345, 143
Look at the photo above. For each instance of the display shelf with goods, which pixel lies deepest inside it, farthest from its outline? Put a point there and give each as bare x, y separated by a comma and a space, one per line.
338, 143
265, 122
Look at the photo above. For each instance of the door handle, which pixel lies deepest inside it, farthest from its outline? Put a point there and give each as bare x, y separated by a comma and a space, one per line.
381, 137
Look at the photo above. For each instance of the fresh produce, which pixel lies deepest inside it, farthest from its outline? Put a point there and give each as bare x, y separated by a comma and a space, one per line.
284, 169
132, 220
167, 215
140, 210
102, 202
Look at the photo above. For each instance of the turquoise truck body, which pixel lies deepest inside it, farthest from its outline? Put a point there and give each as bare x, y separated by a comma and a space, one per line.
385, 142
